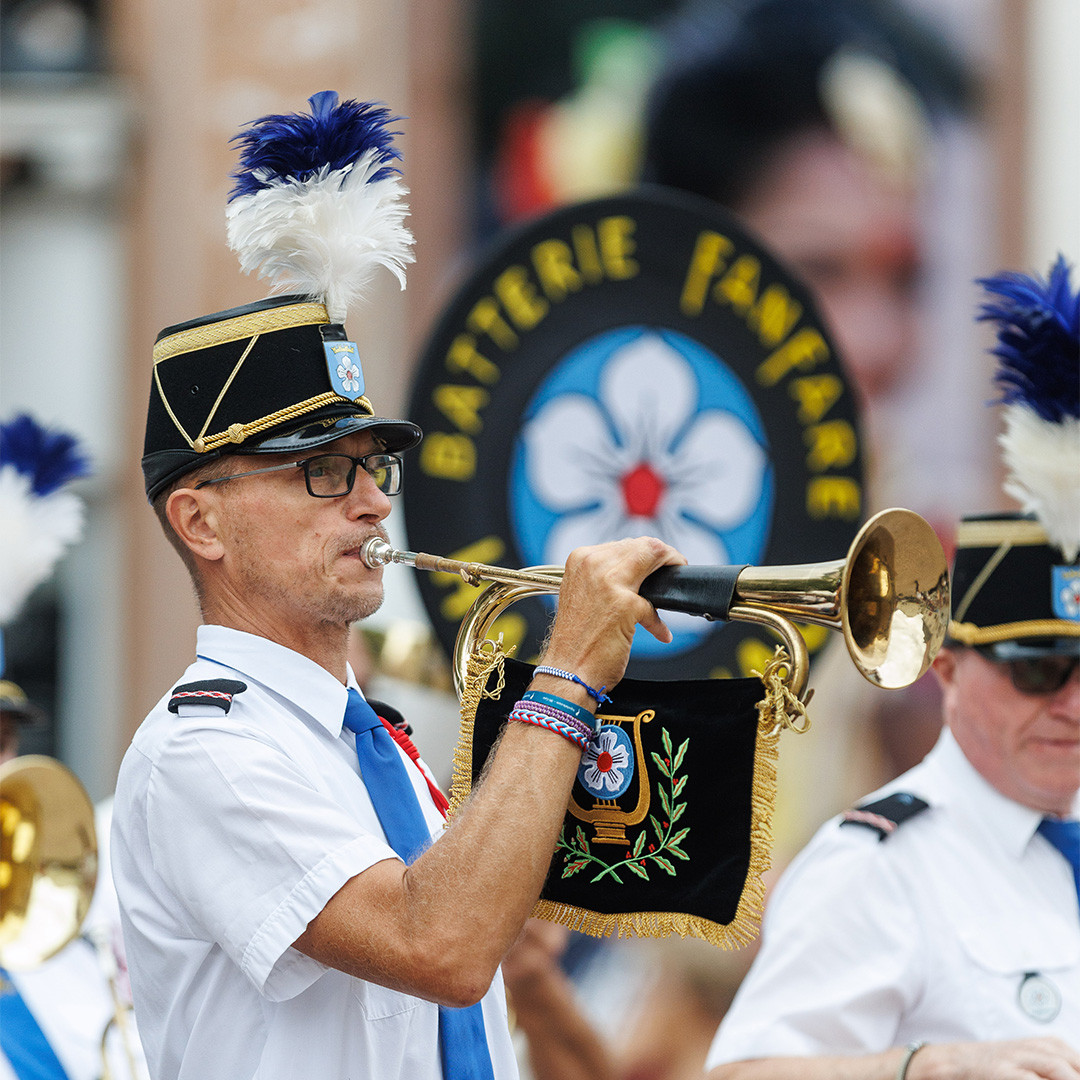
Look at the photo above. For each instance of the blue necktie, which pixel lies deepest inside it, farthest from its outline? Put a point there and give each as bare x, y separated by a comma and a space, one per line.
462, 1041
22, 1040
1065, 836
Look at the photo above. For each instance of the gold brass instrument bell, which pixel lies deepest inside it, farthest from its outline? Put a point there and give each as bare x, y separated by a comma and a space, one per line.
889, 597
48, 859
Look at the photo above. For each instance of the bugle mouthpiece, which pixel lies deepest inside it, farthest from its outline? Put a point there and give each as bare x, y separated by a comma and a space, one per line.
376, 552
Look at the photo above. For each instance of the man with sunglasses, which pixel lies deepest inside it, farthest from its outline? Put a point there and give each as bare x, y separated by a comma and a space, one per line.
934, 931
285, 910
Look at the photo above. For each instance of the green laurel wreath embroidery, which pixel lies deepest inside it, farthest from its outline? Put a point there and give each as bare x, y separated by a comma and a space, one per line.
578, 849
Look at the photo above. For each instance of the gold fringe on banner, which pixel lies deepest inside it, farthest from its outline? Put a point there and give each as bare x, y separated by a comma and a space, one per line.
779, 710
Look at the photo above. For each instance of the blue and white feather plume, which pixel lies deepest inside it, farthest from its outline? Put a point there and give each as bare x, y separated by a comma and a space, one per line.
318, 204
38, 519
1038, 348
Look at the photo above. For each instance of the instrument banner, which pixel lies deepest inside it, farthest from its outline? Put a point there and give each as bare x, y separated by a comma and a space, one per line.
668, 827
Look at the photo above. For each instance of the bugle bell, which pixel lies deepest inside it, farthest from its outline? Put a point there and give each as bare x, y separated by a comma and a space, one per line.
48, 859
889, 597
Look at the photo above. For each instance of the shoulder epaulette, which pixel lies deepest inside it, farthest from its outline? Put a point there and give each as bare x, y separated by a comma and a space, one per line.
219, 692
885, 816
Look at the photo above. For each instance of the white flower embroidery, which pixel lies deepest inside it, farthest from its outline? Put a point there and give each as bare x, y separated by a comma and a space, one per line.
1070, 600
349, 374
642, 461
605, 763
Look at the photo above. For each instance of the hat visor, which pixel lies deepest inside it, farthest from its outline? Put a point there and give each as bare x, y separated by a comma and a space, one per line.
395, 435
1031, 648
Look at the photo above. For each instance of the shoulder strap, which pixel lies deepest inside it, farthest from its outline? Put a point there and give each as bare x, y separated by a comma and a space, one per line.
219, 692
885, 816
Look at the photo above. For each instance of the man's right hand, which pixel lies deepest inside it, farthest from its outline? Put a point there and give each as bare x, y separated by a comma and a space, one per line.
600, 607
1046, 1058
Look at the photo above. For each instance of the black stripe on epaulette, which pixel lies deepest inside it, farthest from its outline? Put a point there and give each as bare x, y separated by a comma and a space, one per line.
885, 816
219, 692
391, 715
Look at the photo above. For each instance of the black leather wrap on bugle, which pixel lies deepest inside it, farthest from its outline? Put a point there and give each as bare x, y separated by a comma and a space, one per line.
695, 590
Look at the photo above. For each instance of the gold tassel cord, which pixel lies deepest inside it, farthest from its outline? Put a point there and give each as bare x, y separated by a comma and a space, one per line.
780, 707
488, 656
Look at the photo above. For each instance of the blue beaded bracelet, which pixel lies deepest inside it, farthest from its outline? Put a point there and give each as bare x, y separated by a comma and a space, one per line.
562, 705
597, 695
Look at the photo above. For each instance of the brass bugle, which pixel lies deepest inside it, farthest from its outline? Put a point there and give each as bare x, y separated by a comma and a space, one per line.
48, 859
889, 597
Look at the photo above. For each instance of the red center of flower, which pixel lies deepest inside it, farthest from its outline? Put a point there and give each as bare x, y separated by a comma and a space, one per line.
603, 761
642, 490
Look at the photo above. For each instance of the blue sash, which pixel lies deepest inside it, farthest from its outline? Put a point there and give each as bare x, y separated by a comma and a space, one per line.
22, 1040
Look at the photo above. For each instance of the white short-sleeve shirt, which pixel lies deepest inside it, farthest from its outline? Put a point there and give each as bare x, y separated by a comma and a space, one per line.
961, 925
231, 832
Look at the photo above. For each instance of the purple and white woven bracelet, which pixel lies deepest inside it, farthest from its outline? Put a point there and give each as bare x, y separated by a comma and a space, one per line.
569, 727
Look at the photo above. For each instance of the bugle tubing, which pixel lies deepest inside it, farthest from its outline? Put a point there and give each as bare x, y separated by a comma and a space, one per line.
889, 597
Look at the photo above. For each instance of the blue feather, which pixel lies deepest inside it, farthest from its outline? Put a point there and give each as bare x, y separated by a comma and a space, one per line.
1038, 341
49, 458
277, 149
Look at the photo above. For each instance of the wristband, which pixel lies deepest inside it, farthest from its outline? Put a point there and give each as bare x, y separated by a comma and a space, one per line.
583, 714
597, 695
910, 1051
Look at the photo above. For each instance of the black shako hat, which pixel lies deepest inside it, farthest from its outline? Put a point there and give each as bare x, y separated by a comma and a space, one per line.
1016, 579
1014, 593
317, 207
258, 379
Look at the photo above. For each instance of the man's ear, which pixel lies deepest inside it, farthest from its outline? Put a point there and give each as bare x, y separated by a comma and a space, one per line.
945, 667
194, 518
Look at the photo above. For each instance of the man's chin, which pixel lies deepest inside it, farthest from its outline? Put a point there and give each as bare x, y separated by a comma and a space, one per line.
363, 607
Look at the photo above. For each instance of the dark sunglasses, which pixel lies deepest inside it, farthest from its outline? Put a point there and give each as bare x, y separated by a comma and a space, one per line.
329, 476
1041, 675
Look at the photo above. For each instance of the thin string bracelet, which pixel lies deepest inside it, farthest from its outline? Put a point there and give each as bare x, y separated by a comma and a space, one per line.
910, 1051
597, 695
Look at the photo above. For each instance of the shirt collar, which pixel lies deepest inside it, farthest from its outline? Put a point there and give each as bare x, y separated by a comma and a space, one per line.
299, 681
1005, 822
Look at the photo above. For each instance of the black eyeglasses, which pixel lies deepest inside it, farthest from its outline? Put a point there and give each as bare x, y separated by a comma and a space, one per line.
329, 476
1041, 675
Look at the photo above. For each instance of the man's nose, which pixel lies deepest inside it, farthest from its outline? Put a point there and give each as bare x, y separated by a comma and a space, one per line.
366, 499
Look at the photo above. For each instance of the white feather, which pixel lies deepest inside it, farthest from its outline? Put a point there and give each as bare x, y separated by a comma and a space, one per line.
34, 531
325, 236
1043, 459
